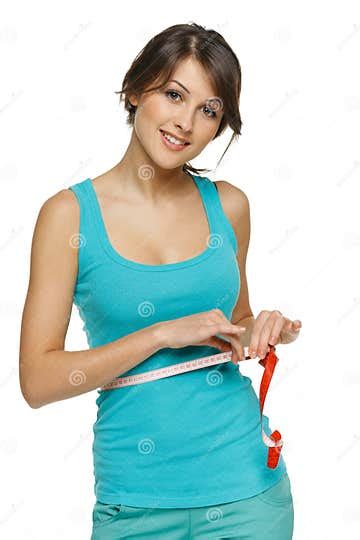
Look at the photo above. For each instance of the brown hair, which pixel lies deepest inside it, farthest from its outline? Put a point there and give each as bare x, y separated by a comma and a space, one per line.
158, 59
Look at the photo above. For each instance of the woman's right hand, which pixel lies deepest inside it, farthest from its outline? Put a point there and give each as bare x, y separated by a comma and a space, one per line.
203, 329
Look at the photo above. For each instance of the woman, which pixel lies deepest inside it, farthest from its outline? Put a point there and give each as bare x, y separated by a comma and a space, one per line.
153, 255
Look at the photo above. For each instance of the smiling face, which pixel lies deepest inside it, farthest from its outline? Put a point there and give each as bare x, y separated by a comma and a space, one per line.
188, 109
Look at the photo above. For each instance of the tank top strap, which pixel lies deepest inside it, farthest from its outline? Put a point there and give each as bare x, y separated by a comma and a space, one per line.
87, 239
219, 222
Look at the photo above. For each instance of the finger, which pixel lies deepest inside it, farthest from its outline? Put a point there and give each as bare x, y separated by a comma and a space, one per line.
233, 328
232, 342
234, 357
287, 329
224, 321
270, 333
274, 336
228, 331
256, 333
233, 331
238, 348
296, 325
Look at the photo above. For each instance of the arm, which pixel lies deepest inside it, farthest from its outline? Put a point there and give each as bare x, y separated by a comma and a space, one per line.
237, 208
48, 373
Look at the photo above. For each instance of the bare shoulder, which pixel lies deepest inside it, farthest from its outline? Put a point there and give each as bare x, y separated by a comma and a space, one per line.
234, 202
56, 224
58, 217
61, 204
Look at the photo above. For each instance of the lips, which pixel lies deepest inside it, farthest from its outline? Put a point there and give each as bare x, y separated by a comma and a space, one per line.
185, 143
171, 146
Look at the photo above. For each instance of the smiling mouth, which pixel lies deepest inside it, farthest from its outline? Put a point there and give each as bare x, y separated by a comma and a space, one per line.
169, 144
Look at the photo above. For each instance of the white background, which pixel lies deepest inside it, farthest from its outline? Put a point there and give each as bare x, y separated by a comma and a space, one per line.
298, 162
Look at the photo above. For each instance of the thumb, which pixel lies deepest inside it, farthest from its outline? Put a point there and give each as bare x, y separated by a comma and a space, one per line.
296, 325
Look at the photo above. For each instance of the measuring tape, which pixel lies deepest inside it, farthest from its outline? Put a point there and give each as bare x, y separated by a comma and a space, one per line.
273, 442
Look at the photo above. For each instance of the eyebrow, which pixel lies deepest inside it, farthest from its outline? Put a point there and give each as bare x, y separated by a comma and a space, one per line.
184, 87
180, 84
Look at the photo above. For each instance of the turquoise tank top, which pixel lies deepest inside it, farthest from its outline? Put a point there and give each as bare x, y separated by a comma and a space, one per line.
192, 439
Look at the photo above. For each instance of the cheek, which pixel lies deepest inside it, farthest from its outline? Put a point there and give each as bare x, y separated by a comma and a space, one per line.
153, 115
155, 108
145, 122
206, 135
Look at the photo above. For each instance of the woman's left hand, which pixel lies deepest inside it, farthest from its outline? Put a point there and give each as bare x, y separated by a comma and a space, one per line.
271, 328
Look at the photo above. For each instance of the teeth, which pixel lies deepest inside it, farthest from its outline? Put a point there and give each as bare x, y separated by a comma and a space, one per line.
172, 139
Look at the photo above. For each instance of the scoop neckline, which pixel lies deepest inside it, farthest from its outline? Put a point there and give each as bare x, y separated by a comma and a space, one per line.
117, 257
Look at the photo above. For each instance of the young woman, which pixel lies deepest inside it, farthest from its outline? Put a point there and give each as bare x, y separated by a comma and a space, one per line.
153, 255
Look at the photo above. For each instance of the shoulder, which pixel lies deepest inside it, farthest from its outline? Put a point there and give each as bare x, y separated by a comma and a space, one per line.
234, 202
61, 205
59, 214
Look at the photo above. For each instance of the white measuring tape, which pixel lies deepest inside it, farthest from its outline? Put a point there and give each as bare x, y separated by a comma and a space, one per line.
168, 371
274, 442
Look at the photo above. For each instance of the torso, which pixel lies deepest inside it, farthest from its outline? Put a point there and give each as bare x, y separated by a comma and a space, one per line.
174, 232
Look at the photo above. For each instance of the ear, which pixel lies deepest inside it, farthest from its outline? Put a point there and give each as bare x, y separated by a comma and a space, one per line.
133, 100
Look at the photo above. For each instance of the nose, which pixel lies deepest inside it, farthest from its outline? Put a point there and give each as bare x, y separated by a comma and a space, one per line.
185, 125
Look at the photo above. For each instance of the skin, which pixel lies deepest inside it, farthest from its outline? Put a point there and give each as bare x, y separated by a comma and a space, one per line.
139, 210
187, 116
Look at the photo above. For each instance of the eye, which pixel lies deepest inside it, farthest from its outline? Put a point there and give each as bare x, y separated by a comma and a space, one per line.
213, 115
169, 92
172, 92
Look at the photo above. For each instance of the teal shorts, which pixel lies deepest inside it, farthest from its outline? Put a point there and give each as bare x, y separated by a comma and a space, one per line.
266, 516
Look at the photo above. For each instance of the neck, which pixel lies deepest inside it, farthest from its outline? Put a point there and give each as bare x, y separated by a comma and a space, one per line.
140, 177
